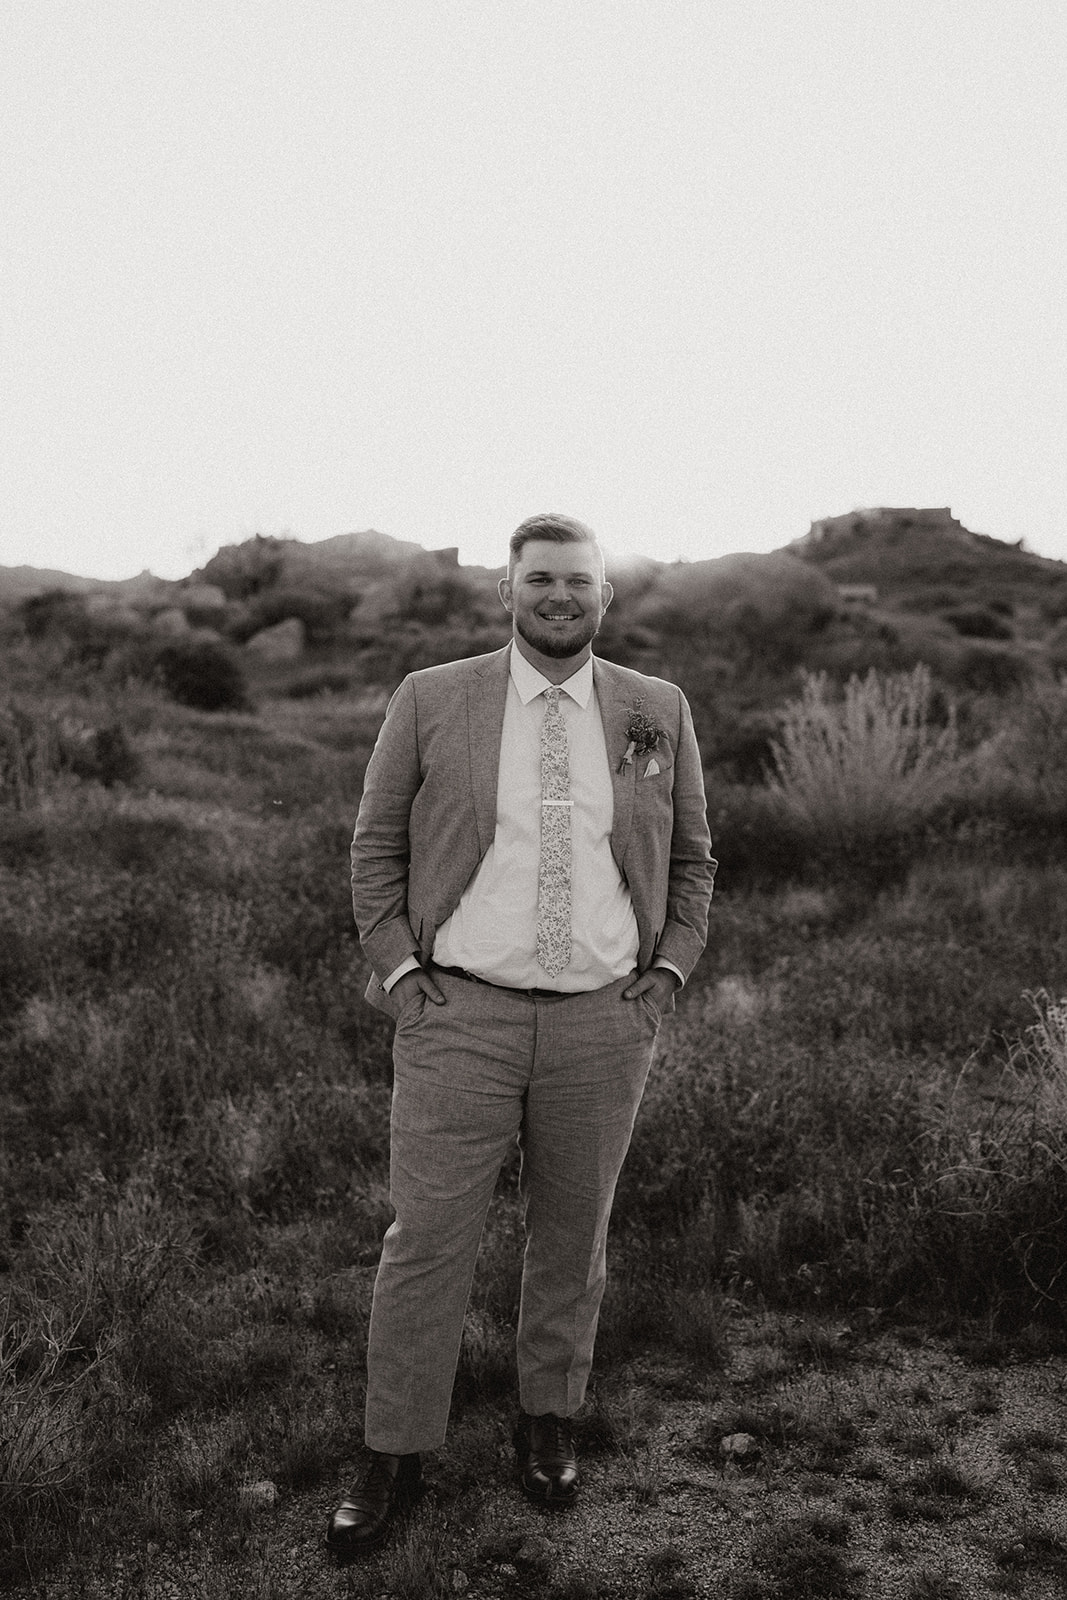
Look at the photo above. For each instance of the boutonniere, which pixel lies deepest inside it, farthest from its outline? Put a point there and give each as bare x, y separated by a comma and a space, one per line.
642, 735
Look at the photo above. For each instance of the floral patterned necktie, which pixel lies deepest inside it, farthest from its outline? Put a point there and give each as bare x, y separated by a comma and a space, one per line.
554, 874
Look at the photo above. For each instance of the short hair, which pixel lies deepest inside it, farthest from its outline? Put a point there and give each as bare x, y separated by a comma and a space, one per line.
552, 525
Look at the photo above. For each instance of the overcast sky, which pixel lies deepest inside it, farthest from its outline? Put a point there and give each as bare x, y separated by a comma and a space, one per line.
695, 271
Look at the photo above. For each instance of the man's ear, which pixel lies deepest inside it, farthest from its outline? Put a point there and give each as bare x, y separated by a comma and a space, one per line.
503, 589
607, 595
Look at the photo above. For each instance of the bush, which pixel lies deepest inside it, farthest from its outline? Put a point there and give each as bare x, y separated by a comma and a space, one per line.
991, 671
57, 611
1054, 604
752, 837
975, 622
79, 636
104, 754
857, 774
1056, 652
410, 646
1031, 753
37, 747
29, 757
737, 744
433, 595
47, 1449
203, 674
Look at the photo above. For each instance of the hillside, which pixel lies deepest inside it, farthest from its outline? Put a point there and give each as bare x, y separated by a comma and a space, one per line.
22, 583
343, 564
325, 563
885, 589
916, 559
924, 560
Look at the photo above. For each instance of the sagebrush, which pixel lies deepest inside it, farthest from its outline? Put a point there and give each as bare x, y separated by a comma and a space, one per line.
855, 771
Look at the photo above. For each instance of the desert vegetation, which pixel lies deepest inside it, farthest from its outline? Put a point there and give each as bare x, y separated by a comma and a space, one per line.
855, 1129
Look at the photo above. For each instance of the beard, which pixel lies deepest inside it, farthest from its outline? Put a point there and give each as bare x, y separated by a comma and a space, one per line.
559, 647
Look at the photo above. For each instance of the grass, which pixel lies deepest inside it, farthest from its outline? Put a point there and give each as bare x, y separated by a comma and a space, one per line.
854, 773
857, 1113
849, 1169
804, 1557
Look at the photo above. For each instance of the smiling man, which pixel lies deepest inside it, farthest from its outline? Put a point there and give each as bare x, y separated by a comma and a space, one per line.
531, 875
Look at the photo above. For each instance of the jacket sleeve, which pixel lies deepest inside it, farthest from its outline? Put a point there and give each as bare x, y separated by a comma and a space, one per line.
692, 867
380, 845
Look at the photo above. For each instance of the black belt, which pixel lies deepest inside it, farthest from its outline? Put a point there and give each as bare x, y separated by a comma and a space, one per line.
506, 988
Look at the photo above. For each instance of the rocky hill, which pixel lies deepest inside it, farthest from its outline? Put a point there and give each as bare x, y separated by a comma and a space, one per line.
340, 565
924, 559
913, 558
879, 588
22, 583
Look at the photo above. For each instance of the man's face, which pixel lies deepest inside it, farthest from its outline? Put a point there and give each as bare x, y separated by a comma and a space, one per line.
557, 596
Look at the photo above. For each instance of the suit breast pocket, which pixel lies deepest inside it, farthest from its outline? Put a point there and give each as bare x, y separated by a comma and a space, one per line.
655, 765
655, 781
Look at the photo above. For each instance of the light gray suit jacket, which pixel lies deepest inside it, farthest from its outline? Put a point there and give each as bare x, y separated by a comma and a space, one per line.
428, 813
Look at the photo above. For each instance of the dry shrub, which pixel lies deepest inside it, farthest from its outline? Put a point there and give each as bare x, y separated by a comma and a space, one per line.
50, 1409
71, 1335
39, 748
1042, 1056
1028, 757
855, 773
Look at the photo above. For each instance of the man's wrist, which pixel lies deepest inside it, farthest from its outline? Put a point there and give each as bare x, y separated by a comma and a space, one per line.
412, 964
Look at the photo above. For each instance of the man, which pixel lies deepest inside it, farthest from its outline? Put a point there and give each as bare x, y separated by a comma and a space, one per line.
530, 878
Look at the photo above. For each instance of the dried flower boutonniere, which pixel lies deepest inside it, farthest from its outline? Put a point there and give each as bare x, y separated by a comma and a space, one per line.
642, 734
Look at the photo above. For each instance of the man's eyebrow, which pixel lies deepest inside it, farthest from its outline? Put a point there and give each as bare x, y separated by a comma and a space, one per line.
543, 572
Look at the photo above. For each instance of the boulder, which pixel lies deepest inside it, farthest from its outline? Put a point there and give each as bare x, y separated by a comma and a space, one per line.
283, 642
170, 621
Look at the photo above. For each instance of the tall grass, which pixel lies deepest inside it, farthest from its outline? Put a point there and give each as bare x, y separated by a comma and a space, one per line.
1024, 763
826, 1171
856, 773
1042, 1054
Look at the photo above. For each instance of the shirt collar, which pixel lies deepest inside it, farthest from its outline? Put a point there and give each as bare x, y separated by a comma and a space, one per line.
530, 683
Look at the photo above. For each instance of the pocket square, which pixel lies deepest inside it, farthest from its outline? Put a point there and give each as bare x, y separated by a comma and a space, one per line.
652, 768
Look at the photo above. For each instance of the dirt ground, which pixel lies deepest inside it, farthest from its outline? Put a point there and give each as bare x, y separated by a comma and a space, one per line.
822, 1461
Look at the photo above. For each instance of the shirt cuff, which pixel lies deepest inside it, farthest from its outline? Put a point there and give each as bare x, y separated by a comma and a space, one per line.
412, 964
661, 961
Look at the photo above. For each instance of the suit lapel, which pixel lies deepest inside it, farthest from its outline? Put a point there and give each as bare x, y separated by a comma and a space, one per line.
616, 702
486, 694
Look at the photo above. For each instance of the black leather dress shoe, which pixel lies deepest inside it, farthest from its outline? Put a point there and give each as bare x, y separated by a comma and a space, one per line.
361, 1522
547, 1460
